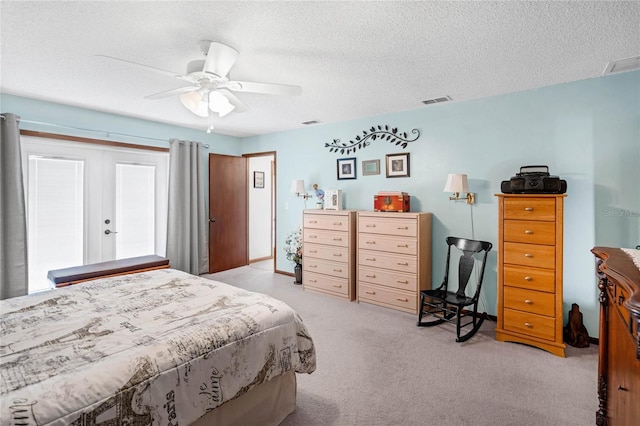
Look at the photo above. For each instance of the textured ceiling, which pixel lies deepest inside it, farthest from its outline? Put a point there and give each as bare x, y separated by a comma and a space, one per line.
352, 59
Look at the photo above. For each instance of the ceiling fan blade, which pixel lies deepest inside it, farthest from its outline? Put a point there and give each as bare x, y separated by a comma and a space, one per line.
266, 88
237, 103
148, 68
172, 92
220, 59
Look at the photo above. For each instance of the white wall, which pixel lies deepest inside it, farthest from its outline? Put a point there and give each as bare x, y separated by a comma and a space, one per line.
260, 217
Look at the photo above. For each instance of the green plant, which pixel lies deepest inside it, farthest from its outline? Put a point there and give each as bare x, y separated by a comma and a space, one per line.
293, 246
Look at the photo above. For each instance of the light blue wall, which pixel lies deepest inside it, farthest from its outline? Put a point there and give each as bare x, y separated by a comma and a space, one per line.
587, 132
109, 124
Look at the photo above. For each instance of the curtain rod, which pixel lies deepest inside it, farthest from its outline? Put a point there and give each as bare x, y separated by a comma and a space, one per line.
92, 130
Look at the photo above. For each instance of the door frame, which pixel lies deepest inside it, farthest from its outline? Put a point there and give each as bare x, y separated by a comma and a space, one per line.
273, 199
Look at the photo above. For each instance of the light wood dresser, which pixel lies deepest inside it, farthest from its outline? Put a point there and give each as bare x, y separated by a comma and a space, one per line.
619, 345
394, 258
328, 254
530, 239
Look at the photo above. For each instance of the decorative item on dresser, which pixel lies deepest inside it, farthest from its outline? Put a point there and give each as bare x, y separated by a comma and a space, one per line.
394, 258
618, 272
329, 252
530, 239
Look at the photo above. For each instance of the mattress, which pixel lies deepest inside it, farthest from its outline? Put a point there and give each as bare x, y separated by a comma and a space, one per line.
160, 347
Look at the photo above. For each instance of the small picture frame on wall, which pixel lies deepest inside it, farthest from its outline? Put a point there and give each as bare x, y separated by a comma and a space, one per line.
370, 167
258, 179
398, 165
346, 168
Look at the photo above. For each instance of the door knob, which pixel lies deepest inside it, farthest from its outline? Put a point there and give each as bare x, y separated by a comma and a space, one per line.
109, 231
212, 220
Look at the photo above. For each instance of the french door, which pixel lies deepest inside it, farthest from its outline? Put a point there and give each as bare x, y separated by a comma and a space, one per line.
91, 203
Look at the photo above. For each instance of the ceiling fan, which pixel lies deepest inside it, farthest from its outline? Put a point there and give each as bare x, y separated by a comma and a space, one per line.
210, 87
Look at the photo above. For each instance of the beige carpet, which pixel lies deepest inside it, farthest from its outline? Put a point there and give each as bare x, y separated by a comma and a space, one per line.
375, 367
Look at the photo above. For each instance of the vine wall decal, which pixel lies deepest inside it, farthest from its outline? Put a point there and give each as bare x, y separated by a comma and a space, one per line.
379, 132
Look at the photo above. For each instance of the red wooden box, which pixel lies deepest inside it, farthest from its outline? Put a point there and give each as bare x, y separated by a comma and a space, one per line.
391, 202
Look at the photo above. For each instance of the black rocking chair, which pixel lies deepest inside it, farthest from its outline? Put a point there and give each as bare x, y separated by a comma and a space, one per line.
444, 304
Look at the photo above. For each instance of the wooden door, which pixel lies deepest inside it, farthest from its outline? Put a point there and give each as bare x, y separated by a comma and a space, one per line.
227, 212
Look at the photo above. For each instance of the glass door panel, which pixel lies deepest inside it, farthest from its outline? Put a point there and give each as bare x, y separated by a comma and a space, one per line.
55, 216
135, 210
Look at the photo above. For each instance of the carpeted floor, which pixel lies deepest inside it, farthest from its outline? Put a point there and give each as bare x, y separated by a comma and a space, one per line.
375, 367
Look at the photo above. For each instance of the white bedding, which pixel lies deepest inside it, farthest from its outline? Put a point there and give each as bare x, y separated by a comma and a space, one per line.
160, 347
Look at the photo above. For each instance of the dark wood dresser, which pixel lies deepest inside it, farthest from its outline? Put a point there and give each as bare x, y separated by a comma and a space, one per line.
619, 349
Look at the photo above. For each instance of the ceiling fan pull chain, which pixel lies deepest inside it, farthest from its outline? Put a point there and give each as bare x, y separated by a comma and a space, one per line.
210, 127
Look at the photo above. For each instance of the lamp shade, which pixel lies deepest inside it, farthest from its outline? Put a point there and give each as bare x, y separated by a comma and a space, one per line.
297, 186
193, 102
220, 104
456, 183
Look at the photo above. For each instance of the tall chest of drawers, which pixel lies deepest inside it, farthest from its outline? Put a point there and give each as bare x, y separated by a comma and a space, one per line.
530, 235
394, 258
328, 254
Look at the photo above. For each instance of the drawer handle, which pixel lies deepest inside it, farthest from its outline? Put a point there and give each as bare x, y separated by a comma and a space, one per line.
313, 266
402, 263
313, 281
400, 299
528, 255
337, 286
528, 279
370, 292
528, 231
337, 239
313, 221
370, 276
372, 259
403, 245
313, 236
528, 301
337, 270
371, 242
337, 223
402, 227
370, 226
337, 254
313, 251
528, 324
528, 209
402, 281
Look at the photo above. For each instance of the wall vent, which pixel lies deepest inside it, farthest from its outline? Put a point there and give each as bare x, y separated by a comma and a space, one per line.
623, 65
306, 123
437, 100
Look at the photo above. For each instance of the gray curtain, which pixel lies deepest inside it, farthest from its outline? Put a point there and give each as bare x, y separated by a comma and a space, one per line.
13, 218
188, 227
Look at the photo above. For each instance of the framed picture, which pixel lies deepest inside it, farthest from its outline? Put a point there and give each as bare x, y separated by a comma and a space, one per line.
258, 179
398, 165
346, 168
333, 199
370, 167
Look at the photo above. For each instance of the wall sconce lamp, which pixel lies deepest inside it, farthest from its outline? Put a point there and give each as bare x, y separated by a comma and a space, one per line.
297, 187
458, 183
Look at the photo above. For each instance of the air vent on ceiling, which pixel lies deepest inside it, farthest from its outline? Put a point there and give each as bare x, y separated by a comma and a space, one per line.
623, 65
306, 123
437, 100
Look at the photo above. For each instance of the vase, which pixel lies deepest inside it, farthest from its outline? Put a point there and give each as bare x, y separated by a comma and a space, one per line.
298, 271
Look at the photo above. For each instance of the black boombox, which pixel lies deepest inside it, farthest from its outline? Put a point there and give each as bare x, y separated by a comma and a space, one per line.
534, 179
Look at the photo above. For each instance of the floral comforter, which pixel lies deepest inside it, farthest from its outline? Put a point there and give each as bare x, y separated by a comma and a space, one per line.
161, 347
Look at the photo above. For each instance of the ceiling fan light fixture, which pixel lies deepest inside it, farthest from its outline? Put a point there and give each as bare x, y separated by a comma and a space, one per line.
193, 102
220, 104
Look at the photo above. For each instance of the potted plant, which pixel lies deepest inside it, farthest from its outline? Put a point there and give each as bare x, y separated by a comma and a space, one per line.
293, 248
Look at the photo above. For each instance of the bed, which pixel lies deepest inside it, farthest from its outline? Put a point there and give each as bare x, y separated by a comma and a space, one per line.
161, 347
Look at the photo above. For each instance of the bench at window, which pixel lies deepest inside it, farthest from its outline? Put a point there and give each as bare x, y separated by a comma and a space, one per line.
77, 274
